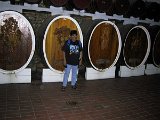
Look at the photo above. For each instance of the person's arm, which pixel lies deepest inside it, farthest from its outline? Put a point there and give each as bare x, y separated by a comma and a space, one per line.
64, 57
80, 58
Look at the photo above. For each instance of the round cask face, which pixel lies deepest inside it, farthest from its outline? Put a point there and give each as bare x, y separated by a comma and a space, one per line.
103, 46
136, 46
156, 50
57, 33
16, 41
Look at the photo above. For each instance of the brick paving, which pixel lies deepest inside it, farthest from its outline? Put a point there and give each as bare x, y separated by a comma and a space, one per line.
133, 98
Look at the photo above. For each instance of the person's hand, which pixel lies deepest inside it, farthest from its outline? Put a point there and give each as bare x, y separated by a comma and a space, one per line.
64, 62
80, 62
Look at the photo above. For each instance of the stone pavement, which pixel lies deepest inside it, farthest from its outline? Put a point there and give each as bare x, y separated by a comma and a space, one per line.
133, 98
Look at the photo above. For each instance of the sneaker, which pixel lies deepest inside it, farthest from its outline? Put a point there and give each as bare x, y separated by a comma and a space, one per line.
63, 88
74, 86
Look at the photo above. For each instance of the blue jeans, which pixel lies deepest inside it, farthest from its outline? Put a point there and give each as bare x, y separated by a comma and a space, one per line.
74, 74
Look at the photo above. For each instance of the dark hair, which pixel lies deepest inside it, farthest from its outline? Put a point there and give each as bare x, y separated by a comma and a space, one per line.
72, 32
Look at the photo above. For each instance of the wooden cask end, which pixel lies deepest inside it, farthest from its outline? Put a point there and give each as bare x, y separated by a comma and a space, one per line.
102, 44
17, 42
136, 47
56, 33
153, 31
156, 51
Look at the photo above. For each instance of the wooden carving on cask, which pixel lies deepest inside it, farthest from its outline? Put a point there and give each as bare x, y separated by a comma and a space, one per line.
17, 42
56, 34
137, 47
156, 50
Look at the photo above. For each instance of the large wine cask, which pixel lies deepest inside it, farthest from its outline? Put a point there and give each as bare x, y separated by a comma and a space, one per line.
55, 32
102, 44
152, 10
156, 51
136, 47
17, 42
78, 4
153, 31
58, 3
33, 1
137, 9
121, 7
92, 8
81, 4
124, 29
105, 6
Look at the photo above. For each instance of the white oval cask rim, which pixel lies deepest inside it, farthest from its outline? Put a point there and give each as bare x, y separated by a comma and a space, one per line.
119, 45
33, 42
46, 31
154, 48
148, 48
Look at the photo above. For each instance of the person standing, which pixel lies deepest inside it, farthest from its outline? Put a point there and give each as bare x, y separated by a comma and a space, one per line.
72, 52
